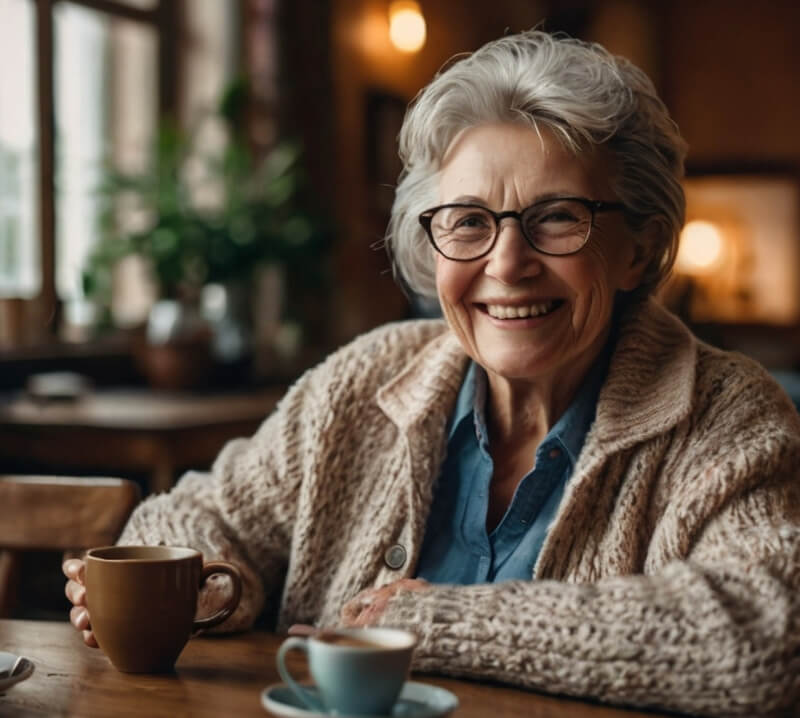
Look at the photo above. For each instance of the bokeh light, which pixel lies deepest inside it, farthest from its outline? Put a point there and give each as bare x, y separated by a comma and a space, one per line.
406, 25
701, 247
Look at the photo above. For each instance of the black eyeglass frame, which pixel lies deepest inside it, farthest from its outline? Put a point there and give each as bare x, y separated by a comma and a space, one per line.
594, 205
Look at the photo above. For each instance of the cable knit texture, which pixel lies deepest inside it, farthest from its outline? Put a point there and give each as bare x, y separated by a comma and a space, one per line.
670, 577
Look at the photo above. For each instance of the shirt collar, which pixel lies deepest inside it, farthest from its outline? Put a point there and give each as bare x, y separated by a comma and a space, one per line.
466, 401
573, 425
571, 428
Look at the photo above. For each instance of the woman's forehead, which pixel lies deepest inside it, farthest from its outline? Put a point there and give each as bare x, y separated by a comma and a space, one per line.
517, 160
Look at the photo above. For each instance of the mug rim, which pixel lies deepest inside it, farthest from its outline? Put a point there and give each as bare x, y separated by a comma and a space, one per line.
408, 638
95, 554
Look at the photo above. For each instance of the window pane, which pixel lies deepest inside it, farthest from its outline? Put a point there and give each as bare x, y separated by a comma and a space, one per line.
210, 61
105, 107
19, 227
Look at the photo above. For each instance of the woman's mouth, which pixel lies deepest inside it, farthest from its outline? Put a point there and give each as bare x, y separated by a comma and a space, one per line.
521, 311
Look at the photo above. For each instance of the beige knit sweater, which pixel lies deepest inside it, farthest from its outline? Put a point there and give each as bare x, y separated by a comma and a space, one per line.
670, 576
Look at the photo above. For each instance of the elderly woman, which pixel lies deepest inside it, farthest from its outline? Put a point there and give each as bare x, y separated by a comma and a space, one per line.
557, 487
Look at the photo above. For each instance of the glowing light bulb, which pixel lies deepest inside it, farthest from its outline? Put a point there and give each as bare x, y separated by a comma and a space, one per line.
701, 247
406, 25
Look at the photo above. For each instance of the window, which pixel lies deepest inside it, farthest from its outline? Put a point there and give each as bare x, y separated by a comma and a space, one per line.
19, 256
82, 83
105, 90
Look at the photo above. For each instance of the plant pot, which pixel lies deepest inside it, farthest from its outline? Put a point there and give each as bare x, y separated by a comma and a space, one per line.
177, 351
176, 365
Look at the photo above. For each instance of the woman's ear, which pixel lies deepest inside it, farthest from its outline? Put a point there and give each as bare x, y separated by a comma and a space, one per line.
645, 241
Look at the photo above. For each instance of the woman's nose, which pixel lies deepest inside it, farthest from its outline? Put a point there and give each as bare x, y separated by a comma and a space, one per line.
512, 258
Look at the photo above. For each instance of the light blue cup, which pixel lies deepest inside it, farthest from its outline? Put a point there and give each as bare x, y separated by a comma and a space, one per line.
352, 680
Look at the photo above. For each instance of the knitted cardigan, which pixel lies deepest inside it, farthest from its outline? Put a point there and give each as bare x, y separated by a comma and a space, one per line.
670, 576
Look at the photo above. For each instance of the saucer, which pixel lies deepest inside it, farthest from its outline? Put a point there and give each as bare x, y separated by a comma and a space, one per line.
417, 700
13, 669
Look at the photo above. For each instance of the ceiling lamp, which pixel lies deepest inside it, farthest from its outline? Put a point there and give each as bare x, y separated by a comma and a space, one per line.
406, 25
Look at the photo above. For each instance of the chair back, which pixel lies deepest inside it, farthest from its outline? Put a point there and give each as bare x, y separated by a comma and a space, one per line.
57, 513
63, 513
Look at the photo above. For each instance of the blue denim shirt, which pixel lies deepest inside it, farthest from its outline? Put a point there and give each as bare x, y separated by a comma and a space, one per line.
457, 548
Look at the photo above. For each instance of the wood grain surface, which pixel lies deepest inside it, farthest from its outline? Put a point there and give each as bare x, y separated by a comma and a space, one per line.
214, 676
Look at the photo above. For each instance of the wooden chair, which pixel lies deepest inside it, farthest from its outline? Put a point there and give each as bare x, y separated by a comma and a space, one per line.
57, 513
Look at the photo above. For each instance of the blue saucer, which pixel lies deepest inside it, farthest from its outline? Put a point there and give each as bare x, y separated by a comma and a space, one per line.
417, 700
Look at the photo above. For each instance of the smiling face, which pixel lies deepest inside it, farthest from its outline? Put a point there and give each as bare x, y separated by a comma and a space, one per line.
521, 314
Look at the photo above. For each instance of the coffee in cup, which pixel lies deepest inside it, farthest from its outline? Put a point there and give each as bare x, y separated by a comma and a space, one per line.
142, 602
357, 671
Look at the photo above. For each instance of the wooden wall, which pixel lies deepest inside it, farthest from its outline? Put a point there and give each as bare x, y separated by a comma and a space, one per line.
731, 81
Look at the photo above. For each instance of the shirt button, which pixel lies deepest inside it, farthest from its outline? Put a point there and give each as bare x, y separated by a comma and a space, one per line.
554, 453
395, 556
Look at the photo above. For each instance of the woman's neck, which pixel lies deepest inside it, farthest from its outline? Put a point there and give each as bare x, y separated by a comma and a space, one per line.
518, 410
521, 409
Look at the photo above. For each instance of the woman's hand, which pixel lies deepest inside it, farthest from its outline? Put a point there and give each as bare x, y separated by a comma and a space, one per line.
75, 569
369, 605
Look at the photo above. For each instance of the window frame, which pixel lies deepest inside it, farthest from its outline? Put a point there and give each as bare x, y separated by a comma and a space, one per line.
165, 17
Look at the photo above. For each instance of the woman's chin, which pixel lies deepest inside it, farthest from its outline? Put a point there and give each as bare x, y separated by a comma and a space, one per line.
517, 355
510, 366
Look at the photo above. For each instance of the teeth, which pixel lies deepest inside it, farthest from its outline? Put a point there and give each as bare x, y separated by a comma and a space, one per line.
503, 311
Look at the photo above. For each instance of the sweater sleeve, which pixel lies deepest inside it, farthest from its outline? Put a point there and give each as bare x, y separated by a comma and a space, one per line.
715, 634
243, 510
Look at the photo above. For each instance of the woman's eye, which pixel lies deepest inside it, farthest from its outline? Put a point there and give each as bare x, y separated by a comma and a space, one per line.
472, 221
560, 216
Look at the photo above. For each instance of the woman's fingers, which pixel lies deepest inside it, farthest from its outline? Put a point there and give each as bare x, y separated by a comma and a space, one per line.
76, 593
74, 569
368, 607
79, 617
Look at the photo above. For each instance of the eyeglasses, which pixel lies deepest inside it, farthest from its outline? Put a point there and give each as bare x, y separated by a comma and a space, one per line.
463, 232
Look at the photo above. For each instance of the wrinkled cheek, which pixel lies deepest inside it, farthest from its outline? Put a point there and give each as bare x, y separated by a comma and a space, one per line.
451, 283
592, 310
455, 313
452, 286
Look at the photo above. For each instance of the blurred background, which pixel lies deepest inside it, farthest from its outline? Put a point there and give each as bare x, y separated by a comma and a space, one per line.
193, 195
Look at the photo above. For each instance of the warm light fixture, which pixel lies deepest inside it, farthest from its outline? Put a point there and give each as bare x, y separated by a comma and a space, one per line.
701, 247
406, 25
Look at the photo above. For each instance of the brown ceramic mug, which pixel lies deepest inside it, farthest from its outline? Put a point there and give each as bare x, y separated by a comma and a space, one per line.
142, 602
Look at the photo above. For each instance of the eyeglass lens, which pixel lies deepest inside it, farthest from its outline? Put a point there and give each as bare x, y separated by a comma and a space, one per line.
559, 226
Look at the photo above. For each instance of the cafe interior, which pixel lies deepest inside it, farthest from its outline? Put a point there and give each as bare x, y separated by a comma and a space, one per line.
193, 195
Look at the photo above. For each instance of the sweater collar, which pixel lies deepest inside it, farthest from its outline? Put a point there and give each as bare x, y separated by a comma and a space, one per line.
429, 381
648, 389
651, 377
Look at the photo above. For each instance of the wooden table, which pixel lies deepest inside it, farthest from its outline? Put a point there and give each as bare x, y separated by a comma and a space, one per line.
122, 432
215, 676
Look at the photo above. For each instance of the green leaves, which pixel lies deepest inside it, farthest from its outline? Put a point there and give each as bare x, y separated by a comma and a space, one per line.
206, 210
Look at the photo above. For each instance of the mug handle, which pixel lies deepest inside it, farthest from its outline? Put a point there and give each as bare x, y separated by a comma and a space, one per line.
230, 606
297, 644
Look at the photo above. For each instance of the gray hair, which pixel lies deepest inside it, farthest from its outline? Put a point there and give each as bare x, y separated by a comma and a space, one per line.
583, 95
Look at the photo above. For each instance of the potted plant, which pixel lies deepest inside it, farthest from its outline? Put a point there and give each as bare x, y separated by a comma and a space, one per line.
207, 212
